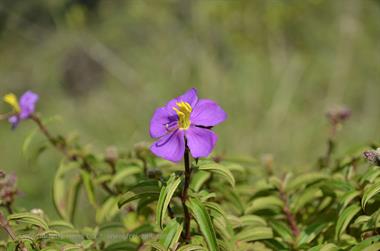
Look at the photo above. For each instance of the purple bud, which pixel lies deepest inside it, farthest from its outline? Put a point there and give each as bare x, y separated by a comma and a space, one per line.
372, 156
338, 115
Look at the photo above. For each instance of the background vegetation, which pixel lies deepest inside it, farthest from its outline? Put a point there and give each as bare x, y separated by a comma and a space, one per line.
274, 66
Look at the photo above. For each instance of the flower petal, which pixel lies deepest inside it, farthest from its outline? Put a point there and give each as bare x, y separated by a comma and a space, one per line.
201, 141
207, 113
162, 122
190, 97
27, 104
14, 120
170, 147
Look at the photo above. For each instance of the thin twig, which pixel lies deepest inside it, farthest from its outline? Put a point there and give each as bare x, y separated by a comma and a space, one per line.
61, 146
5, 225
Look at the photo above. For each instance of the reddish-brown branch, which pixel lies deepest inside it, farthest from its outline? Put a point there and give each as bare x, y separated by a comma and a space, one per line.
7, 228
5, 225
289, 216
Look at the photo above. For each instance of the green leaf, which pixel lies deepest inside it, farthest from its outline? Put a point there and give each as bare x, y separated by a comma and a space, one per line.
86, 244
255, 233
72, 247
60, 224
216, 208
369, 192
308, 195
325, 247
191, 247
223, 228
28, 141
219, 169
311, 232
331, 186
370, 175
247, 220
108, 210
11, 246
89, 188
165, 197
157, 246
204, 222
304, 180
142, 190
124, 173
170, 235
234, 167
347, 198
29, 218
367, 243
143, 229
233, 200
122, 246
282, 229
66, 189
345, 218
269, 202
198, 179
275, 244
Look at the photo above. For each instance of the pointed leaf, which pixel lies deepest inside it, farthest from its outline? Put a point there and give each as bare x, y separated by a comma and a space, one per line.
198, 179
170, 235
141, 190
165, 197
369, 192
304, 180
202, 217
255, 233
269, 202
191, 247
345, 218
219, 169
29, 218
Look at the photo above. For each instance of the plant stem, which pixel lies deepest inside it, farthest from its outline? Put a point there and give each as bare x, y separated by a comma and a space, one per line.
62, 147
289, 216
48, 135
5, 225
184, 196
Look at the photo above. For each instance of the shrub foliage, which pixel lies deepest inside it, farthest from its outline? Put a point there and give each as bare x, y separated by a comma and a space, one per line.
139, 203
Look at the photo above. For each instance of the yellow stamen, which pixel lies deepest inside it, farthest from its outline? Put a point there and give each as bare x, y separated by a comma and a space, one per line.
11, 99
183, 111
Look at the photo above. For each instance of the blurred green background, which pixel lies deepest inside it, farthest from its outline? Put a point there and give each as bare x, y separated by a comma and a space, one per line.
275, 67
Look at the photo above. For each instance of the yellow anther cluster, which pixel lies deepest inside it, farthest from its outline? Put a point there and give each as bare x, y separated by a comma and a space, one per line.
183, 111
11, 99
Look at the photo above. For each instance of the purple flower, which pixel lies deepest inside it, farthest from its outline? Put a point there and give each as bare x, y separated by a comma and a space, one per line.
22, 109
185, 122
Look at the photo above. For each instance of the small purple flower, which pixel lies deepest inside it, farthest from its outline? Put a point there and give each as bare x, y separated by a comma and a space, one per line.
23, 109
185, 122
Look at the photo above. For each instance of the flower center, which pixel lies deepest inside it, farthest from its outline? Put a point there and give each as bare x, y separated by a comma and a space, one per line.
11, 99
183, 111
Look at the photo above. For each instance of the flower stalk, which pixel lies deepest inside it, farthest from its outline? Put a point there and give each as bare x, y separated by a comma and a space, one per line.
184, 196
61, 146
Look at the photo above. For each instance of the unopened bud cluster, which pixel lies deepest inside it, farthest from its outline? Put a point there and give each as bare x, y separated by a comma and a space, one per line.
8, 188
373, 156
338, 115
